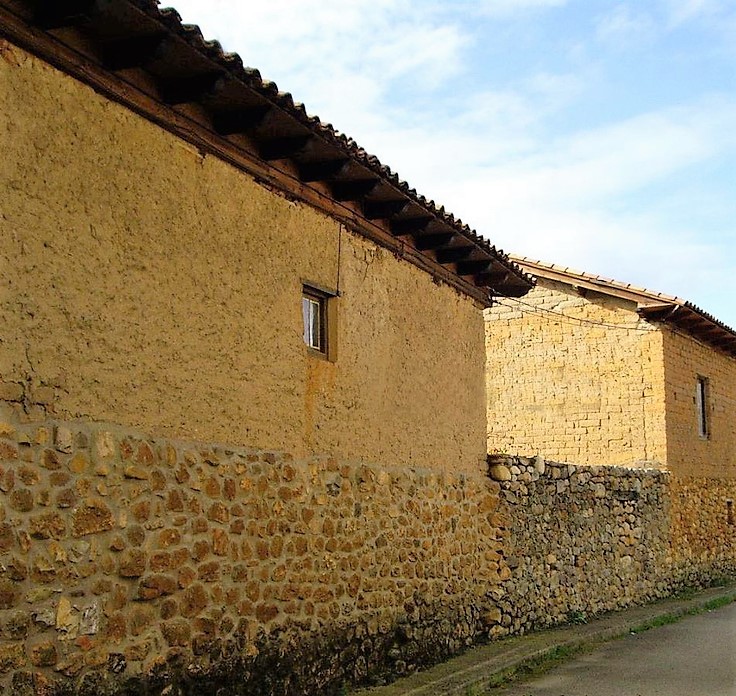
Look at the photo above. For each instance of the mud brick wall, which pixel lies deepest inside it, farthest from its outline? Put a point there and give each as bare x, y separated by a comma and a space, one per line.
570, 389
132, 564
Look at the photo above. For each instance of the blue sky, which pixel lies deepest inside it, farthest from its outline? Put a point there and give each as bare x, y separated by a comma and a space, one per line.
594, 134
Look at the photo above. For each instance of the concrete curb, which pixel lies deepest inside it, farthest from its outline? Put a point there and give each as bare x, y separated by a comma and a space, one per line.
474, 669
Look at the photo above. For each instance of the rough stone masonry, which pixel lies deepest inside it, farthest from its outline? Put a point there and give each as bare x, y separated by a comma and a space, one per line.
138, 565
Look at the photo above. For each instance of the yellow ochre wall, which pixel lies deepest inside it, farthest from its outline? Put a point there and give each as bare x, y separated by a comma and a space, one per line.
688, 454
574, 391
145, 284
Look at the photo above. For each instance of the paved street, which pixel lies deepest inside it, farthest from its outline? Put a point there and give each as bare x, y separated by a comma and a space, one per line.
694, 657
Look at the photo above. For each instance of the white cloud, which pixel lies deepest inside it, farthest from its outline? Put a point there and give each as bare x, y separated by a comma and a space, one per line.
623, 25
680, 11
505, 8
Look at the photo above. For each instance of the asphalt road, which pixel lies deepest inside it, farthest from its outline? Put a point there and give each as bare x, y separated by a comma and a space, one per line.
694, 657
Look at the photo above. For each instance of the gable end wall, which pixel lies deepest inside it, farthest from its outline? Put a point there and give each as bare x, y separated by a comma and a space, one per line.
586, 388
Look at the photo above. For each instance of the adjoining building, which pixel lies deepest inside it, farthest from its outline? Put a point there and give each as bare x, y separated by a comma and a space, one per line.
589, 370
595, 372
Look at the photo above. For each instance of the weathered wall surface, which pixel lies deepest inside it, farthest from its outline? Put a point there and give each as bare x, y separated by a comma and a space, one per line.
144, 284
688, 454
703, 523
574, 391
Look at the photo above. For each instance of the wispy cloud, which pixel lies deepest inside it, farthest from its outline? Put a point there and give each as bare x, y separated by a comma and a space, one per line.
624, 25
506, 8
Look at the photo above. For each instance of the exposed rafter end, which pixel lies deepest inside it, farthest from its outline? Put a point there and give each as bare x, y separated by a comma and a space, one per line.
352, 190
282, 148
189, 89
322, 170
241, 120
63, 13
406, 226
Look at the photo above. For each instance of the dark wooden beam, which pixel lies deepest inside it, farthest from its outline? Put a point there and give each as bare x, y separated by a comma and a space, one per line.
182, 90
507, 290
405, 226
352, 190
377, 210
492, 279
240, 120
282, 148
474, 267
132, 51
655, 314
454, 254
62, 13
690, 322
433, 241
321, 170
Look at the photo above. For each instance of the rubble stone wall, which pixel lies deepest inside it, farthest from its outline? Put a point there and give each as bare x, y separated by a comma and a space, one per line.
131, 564
584, 540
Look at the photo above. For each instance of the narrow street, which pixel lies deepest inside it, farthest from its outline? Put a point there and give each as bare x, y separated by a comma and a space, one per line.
694, 657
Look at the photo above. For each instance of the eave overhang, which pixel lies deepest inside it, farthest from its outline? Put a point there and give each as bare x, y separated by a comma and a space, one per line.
144, 58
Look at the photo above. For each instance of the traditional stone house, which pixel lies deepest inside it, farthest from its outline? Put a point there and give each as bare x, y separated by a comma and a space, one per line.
606, 373
241, 376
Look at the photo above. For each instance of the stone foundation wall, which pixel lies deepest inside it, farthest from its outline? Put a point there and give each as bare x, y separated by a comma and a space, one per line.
131, 564
584, 540
703, 526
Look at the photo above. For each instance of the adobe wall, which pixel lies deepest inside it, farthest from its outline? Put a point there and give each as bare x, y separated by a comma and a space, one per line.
587, 392
146, 284
688, 454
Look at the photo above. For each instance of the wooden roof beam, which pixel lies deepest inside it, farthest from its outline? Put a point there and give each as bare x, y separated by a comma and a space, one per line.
509, 289
454, 254
182, 90
352, 190
132, 51
282, 148
378, 210
63, 13
474, 267
492, 279
321, 170
240, 120
434, 240
406, 226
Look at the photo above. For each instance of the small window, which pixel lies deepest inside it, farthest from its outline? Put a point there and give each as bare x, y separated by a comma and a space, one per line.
318, 320
701, 403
